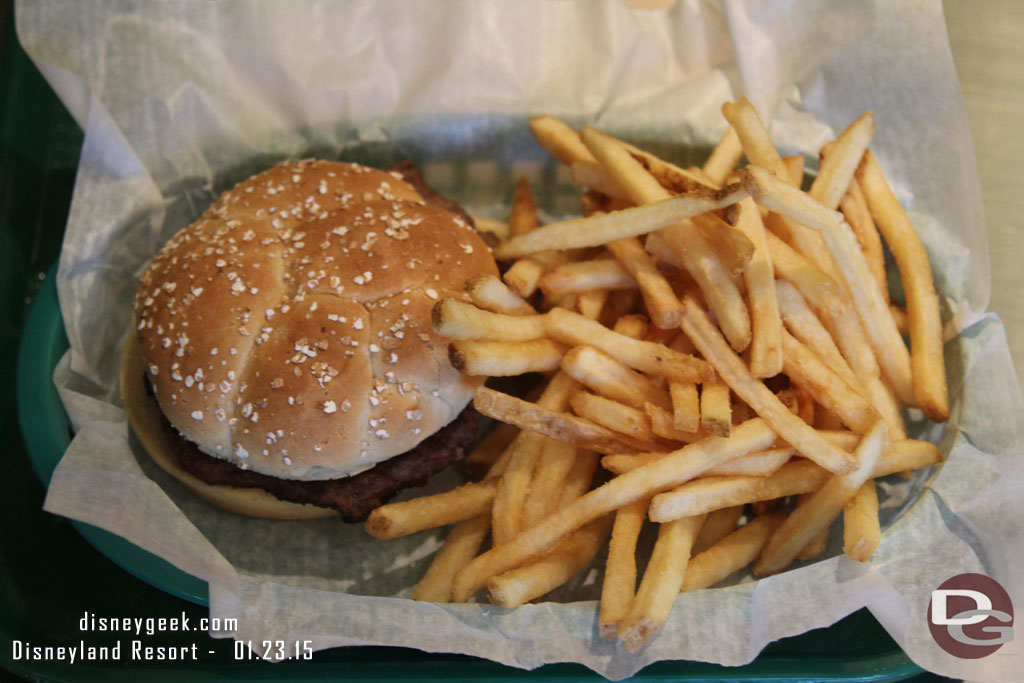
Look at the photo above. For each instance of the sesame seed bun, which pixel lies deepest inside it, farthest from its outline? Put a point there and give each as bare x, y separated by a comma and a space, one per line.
288, 329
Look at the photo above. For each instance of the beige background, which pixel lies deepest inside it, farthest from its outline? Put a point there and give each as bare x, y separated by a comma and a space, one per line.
987, 37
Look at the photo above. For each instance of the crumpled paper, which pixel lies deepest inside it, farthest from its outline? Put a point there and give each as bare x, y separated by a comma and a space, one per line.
178, 101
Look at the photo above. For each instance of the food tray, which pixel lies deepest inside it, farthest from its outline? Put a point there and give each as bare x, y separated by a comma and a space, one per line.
52, 571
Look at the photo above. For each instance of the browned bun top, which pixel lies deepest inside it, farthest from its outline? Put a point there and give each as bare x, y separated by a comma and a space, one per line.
288, 329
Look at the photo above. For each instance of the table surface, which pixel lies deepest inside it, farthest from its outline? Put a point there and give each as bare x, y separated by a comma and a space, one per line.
988, 46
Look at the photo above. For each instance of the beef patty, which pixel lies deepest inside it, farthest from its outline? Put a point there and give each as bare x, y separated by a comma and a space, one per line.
354, 497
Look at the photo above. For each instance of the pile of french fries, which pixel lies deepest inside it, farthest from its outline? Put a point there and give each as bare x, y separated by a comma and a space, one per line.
719, 341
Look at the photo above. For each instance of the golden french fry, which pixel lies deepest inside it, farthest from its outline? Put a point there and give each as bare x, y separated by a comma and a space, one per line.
724, 157
460, 546
753, 136
795, 169
490, 293
766, 343
760, 464
838, 165
732, 553
806, 327
899, 314
685, 406
633, 325
862, 532
854, 206
600, 229
893, 356
612, 414
683, 236
924, 322
401, 519
522, 217
680, 466
580, 477
511, 489
559, 139
519, 586
661, 302
583, 276
734, 246
612, 379
591, 304
823, 506
806, 369
661, 582
503, 359
733, 372
657, 359
795, 477
619, 584
815, 547
548, 479
461, 321
673, 178
717, 525
663, 424
715, 408
555, 425
591, 174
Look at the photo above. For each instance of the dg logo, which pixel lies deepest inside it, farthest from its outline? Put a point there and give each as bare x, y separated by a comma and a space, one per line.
970, 616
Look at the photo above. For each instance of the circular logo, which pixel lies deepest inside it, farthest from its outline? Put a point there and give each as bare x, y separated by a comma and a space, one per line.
970, 616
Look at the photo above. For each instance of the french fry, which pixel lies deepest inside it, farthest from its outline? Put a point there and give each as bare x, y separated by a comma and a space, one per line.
717, 525
395, 520
461, 321
661, 302
675, 179
524, 276
680, 466
685, 406
815, 547
734, 246
715, 408
511, 489
724, 157
861, 530
591, 304
854, 206
732, 553
795, 169
684, 237
490, 293
503, 359
795, 477
806, 327
619, 585
759, 464
633, 325
610, 378
924, 322
806, 369
663, 425
733, 372
583, 276
553, 424
522, 217
580, 477
547, 481
656, 359
892, 353
600, 229
460, 546
766, 343
492, 225
519, 586
559, 139
612, 414
592, 175
823, 506
838, 165
661, 582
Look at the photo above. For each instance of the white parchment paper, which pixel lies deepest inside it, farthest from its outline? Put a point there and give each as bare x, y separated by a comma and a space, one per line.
179, 100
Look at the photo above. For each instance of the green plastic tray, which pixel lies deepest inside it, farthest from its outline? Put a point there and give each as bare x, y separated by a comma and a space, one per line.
53, 571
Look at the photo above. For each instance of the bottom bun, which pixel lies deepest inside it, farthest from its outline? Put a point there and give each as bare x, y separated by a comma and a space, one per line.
147, 420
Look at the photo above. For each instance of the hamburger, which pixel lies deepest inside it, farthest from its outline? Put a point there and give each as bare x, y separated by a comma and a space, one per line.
282, 362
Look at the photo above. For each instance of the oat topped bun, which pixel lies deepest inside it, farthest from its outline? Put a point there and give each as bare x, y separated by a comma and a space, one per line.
288, 329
